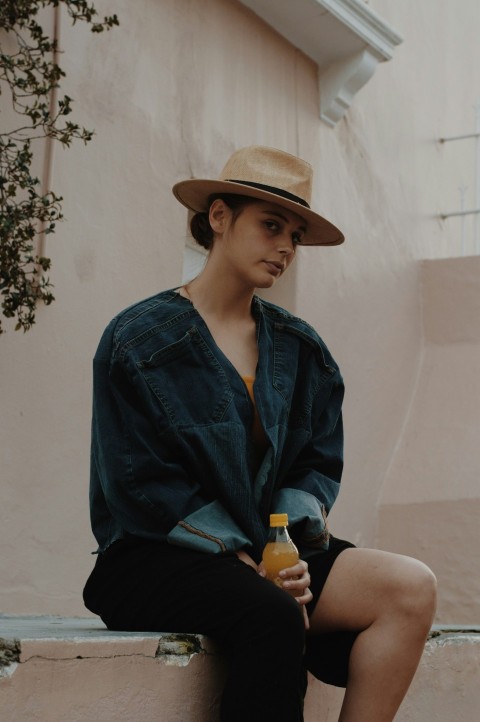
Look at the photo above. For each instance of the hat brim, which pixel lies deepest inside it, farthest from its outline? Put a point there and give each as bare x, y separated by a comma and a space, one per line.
194, 195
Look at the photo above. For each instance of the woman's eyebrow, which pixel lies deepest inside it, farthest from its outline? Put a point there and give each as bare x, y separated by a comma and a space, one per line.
283, 218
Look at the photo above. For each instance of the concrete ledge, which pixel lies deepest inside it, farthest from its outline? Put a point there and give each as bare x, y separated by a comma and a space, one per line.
54, 669
22, 638
446, 687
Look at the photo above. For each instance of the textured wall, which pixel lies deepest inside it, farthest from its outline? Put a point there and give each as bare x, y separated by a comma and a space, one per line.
170, 94
430, 501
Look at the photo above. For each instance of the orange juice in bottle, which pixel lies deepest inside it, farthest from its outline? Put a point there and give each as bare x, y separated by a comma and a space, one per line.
280, 552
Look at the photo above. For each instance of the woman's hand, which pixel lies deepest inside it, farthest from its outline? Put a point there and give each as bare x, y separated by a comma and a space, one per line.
296, 581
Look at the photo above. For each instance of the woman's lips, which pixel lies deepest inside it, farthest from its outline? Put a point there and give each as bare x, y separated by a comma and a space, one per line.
274, 267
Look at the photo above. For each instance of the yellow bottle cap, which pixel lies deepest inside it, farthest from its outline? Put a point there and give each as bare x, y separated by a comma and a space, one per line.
278, 519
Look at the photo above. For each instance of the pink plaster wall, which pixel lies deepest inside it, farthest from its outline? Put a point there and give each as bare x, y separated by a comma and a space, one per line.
170, 93
430, 501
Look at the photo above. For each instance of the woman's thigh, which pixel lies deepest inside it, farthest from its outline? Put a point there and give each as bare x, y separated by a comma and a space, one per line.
149, 586
363, 584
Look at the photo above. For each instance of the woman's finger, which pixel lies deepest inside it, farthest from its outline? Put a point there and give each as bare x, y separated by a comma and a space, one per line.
298, 570
306, 619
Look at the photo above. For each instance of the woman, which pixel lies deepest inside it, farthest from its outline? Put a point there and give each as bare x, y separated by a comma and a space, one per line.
213, 409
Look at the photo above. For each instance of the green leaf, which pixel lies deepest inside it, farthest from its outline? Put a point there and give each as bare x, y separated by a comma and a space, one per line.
31, 74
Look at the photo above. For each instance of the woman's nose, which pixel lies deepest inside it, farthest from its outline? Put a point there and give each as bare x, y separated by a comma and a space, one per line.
286, 246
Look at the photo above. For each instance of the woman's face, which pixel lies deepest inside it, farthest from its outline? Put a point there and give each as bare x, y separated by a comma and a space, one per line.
259, 244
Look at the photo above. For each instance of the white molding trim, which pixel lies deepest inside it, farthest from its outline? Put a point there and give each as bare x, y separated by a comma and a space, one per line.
346, 39
367, 24
340, 83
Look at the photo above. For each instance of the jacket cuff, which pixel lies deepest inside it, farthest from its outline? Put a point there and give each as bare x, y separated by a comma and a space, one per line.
307, 517
209, 529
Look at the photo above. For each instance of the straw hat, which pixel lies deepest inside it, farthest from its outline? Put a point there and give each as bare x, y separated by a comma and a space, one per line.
270, 175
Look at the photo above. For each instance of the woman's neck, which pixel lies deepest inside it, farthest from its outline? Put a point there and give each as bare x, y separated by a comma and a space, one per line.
220, 296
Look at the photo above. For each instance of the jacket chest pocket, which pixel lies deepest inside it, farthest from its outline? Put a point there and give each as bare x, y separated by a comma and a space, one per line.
188, 381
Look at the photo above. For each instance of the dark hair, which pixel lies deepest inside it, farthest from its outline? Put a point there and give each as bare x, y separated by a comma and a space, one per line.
200, 226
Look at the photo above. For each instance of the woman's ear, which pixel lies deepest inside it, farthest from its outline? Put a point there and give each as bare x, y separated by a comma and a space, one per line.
218, 215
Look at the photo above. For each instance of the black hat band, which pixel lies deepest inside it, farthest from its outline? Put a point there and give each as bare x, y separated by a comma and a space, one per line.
271, 189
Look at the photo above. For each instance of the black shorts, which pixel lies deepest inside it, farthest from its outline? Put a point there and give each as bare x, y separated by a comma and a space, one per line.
327, 655
140, 585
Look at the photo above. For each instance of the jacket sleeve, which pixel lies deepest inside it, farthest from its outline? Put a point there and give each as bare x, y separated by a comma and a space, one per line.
137, 482
312, 483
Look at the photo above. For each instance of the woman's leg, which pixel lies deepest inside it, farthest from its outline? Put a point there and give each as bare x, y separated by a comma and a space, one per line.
148, 586
266, 679
390, 599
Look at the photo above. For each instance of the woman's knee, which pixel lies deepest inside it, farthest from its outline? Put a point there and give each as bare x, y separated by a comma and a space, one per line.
281, 609
277, 615
414, 592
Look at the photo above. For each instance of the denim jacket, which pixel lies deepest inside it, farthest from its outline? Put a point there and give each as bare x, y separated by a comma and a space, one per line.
172, 455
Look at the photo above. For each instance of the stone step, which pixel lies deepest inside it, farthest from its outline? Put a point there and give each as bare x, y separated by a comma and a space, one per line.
57, 669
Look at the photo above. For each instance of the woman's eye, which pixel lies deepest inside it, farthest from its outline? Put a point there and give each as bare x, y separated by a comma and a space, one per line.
296, 238
271, 225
